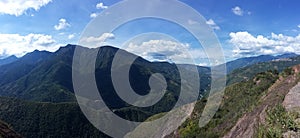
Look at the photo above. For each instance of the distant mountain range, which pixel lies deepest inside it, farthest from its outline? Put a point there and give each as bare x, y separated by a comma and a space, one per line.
42, 76
42, 80
47, 77
243, 62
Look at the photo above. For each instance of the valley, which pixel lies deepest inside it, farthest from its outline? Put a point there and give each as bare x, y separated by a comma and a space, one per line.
37, 96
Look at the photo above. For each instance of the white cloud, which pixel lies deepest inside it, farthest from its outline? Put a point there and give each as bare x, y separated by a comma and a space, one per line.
94, 15
212, 24
237, 11
101, 6
165, 50
19, 7
71, 36
15, 44
203, 64
96, 41
62, 24
299, 26
248, 45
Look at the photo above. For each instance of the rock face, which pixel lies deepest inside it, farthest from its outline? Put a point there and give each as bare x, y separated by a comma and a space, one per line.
246, 126
292, 99
292, 103
291, 134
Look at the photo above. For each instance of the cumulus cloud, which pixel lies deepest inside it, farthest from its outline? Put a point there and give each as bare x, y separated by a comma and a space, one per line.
19, 7
165, 50
96, 41
63, 24
248, 45
93, 15
98, 6
237, 11
299, 26
71, 36
212, 24
101, 6
15, 44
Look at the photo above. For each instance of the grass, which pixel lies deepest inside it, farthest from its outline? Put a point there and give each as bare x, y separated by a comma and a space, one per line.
278, 121
238, 99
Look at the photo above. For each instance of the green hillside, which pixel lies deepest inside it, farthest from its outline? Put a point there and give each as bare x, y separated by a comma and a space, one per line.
42, 103
238, 99
32, 119
243, 106
248, 72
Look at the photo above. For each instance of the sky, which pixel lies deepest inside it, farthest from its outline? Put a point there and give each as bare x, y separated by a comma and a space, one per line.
244, 28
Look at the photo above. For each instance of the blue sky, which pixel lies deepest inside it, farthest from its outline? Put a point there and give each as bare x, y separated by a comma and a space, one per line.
244, 28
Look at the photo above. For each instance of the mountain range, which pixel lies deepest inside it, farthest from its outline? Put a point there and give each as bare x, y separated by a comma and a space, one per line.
38, 100
243, 62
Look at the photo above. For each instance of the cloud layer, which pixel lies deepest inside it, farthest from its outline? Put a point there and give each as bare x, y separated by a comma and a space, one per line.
19, 7
165, 50
248, 45
15, 44
96, 41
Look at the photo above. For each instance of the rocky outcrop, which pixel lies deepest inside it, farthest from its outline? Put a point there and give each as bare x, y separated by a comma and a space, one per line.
292, 99
247, 125
292, 104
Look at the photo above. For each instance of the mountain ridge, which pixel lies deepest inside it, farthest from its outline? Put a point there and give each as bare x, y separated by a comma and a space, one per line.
247, 61
8, 60
42, 79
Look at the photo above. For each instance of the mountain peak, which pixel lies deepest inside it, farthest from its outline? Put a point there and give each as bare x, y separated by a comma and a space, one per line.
8, 60
68, 47
12, 57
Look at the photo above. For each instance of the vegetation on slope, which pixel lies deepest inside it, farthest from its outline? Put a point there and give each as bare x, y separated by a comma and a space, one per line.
46, 77
248, 72
33, 119
278, 121
238, 99
248, 61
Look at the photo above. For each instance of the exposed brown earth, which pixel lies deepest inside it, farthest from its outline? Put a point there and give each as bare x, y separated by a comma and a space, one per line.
247, 125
